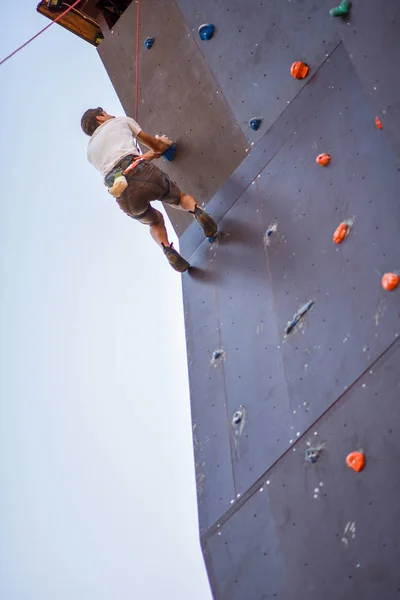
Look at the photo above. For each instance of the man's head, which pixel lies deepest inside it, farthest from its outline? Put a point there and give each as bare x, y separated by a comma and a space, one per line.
92, 119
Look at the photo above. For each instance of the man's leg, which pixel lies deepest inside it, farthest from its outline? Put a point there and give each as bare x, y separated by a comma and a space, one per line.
173, 194
147, 183
159, 234
158, 231
188, 203
154, 219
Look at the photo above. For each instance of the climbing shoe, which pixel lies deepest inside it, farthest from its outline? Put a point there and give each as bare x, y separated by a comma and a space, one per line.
207, 223
176, 261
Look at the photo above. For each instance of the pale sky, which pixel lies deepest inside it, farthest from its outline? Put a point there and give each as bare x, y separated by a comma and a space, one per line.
97, 490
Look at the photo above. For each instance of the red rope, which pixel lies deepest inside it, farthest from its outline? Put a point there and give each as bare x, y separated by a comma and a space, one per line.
137, 59
40, 32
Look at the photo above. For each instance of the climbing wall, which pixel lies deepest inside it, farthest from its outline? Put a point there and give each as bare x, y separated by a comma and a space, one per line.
272, 522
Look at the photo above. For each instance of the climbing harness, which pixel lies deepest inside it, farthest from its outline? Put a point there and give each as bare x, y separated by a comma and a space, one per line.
115, 180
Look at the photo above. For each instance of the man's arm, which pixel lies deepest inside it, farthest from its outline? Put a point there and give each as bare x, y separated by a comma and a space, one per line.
157, 144
150, 155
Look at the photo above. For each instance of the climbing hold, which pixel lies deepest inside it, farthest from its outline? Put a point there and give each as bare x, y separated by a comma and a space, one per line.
148, 42
342, 10
297, 316
378, 123
340, 233
273, 228
237, 417
299, 70
170, 153
206, 31
356, 461
212, 239
323, 159
255, 123
313, 454
390, 281
218, 356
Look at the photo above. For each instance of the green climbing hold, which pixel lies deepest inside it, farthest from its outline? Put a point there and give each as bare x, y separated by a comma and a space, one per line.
342, 10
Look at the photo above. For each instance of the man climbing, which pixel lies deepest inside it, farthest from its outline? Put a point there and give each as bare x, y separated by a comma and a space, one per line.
134, 181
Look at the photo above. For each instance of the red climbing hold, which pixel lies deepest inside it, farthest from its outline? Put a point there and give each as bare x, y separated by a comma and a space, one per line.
356, 461
378, 123
299, 70
390, 281
340, 233
323, 159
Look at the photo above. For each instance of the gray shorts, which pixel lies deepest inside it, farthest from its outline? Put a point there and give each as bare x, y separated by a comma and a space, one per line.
147, 183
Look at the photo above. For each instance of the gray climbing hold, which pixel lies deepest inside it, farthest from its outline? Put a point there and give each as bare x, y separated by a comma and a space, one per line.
217, 357
237, 417
273, 228
297, 316
313, 454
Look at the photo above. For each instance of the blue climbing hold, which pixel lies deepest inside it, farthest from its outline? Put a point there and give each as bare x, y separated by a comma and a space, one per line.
170, 153
217, 354
206, 31
254, 124
212, 239
149, 42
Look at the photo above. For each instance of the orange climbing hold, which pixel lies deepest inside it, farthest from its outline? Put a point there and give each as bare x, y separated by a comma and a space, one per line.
299, 70
378, 123
356, 461
390, 281
323, 159
340, 233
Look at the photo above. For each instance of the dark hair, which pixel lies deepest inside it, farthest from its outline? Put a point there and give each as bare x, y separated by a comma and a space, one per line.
89, 123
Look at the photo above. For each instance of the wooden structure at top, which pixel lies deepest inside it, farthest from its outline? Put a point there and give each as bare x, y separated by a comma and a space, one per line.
88, 19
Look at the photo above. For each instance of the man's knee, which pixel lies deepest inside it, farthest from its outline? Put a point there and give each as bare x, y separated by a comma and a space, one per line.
150, 217
158, 218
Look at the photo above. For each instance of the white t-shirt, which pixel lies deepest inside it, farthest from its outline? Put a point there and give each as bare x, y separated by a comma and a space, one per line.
113, 140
